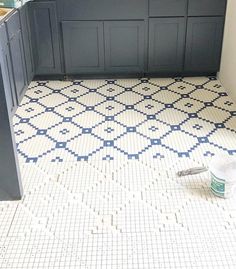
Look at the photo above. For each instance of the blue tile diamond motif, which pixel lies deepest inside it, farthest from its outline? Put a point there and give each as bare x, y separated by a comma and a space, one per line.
87, 131
131, 129
41, 132
155, 141
64, 131
24, 120
151, 117
60, 145
108, 143
109, 130
110, 119
175, 127
203, 140
219, 125
67, 119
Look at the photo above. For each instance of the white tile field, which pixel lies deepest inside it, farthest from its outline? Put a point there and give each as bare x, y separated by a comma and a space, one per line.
99, 161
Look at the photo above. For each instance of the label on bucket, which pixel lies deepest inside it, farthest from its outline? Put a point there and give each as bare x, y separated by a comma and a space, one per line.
217, 185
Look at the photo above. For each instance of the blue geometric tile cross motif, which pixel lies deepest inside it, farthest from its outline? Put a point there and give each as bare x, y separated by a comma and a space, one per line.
132, 118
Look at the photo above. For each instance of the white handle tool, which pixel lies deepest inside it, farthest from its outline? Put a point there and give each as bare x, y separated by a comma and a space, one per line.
192, 171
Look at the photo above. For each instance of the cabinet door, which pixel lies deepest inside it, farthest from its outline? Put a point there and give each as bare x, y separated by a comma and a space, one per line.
83, 47
166, 44
27, 43
7, 73
203, 44
163, 8
45, 38
124, 46
18, 64
206, 7
17, 54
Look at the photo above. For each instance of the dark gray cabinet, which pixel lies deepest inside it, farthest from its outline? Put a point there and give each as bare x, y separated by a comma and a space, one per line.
124, 46
85, 42
166, 45
203, 44
27, 42
17, 55
127, 36
206, 7
45, 38
7, 72
163, 8
83, 46
115, 37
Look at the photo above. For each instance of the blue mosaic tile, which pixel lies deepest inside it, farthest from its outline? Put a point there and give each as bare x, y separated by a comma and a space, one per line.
94, 121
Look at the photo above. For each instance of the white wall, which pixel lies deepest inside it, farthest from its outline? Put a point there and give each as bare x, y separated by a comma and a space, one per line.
227, 74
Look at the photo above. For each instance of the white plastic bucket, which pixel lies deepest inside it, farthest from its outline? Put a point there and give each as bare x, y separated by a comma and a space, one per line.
223, 176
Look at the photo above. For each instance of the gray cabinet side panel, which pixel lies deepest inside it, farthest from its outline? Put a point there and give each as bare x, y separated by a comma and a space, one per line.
45, 37
204, 41
10, 180
166, 44
83, 46
124, 46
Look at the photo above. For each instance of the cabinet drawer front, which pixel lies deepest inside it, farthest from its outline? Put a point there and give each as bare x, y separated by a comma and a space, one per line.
13, 24
166, 44
162, 8
206, 7
203, 44
83, 46
102, 9
124, 46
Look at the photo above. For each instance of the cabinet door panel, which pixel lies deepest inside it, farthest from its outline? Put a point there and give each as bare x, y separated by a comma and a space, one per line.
18, 63
17, 53
206, 7
8, 81
162, 8
45, 37
124, 46
27, 43
166, 44
83, 46
203, 44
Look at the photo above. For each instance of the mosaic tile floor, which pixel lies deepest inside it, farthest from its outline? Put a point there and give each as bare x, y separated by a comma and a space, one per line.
99, 161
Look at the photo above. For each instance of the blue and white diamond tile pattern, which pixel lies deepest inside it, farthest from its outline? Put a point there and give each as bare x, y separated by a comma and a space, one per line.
99, 161
133, 117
